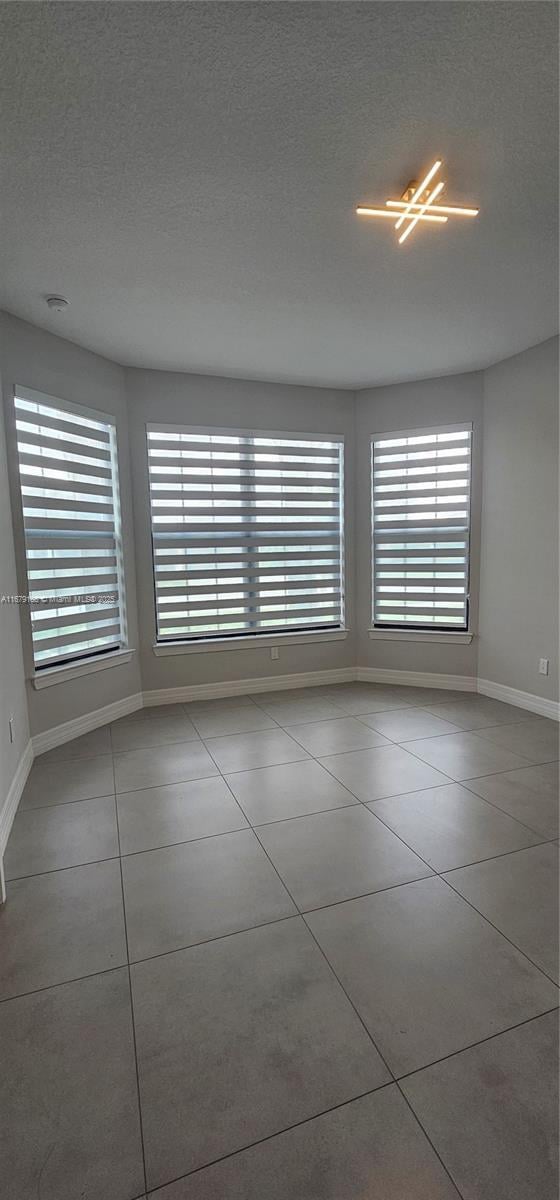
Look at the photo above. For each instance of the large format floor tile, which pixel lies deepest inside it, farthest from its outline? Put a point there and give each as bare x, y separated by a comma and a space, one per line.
387, 771
402, 723
239, 1039
265, 748
336, 737
68, 1095
63, 782
371, 1148
46, 839
158, 765
289, 790
473, 712
449, 826
428, 975
492, 1114
530, 795
297, 712
333, 856
465, 755
356, 698
519, 895
420, 697
89, 745
134, 735
536, 740
177, 812
189, 893
240, 718
61, 926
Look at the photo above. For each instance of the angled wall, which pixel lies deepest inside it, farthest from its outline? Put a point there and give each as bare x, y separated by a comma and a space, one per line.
449, 400
519, 560
36, 359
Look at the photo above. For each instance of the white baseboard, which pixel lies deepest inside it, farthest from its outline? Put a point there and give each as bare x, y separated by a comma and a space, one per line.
9, 807
240, 687
59, 734
460, 683
536, 704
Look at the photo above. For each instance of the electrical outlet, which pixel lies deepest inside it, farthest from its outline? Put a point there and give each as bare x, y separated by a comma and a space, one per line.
543, 666
12, 727
274, 652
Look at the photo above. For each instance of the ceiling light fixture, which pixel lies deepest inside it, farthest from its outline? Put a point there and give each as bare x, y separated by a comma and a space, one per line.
364, 211
421, 213
417, 204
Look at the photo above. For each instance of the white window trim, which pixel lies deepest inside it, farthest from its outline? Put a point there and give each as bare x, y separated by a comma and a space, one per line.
51, 675
464, 636
379, 633
251, 642
47, 676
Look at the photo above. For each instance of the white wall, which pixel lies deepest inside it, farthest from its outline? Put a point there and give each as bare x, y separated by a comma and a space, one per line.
207, 400
518, 619
12, 675
36, 359
519, 563
444, 401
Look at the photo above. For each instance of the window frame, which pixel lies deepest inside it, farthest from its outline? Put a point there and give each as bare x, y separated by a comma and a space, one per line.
419, 632
265, 637
91, 659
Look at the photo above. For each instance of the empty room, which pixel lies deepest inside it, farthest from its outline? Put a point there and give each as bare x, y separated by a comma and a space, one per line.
279, 603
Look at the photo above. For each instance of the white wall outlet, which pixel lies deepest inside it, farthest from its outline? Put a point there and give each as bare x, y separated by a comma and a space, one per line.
12, 727
543, 666
274, 652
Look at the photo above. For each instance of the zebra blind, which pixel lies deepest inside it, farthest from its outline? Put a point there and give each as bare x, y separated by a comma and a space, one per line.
69, 494
246, 531
421, 524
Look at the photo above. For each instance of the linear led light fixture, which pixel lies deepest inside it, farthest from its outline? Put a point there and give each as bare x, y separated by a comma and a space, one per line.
422, 212
417, 205
364, 211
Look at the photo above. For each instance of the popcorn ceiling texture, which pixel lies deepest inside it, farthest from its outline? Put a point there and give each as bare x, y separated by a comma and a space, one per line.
186, 174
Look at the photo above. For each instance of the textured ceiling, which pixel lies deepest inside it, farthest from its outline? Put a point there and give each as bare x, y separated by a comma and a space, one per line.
186, 175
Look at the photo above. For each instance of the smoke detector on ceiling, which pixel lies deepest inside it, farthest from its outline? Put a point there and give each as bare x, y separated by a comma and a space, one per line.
57, 303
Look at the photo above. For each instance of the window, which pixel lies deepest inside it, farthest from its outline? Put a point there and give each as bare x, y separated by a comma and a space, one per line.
421, 522
247, 532
69, 494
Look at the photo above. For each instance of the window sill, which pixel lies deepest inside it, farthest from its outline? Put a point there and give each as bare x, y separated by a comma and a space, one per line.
52, 675
421, 635
252, 641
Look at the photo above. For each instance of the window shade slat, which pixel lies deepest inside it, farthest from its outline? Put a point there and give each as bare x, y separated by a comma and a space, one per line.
246, 531
68, 481
421, 525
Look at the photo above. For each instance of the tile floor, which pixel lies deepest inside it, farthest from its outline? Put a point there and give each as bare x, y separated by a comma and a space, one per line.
295, 946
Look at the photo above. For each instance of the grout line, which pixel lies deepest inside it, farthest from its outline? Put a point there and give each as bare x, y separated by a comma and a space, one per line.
254, 829
360, 1019
132, 1021
499, 931
492, 803
269, 1137
432, 1144
220, 938
482, 1042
